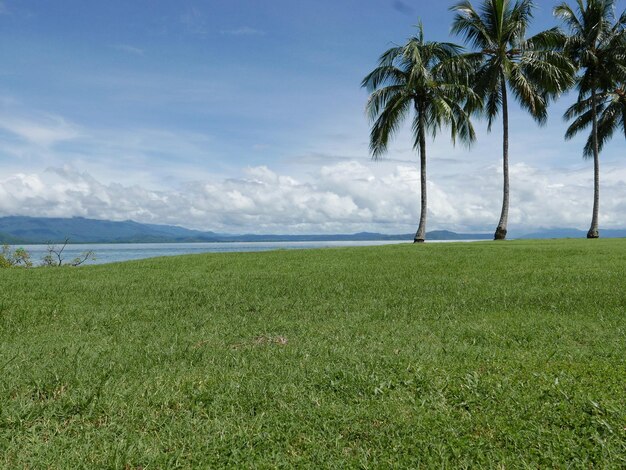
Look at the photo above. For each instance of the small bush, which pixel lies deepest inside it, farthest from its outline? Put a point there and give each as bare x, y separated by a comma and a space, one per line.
54, 256
16, 258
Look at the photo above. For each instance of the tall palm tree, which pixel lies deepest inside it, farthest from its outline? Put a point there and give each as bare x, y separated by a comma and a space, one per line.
533, 69
429, 80
596, 47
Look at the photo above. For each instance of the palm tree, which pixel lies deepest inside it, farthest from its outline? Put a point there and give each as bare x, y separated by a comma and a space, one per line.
430, 80
533, 69
595, 45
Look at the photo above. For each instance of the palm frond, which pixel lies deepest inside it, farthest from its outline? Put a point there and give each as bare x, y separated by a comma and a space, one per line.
581, 123
552, 40
488, 86
549, 71
380, 99
469, 24
516, 21
388, 123
384, 76
578, 108
528, 96
608, 123
565, 13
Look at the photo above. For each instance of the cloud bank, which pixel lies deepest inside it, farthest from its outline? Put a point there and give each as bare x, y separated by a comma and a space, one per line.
344, 197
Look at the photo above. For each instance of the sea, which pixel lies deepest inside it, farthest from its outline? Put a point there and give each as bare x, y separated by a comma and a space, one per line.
117, 252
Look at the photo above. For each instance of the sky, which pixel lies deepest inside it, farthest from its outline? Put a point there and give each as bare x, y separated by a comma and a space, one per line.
247, 116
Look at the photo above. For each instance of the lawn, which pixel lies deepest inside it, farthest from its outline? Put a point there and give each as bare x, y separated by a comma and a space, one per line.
509, 354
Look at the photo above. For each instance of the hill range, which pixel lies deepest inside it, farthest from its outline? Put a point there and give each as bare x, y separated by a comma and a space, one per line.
36, 230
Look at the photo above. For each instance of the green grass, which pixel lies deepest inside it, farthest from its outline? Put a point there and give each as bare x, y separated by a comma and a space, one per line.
453, 355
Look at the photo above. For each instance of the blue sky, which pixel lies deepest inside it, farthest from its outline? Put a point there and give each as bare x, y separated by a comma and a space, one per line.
247, 116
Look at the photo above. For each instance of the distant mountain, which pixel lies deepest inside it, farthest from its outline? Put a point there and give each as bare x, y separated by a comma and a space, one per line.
35, 230
447, 235
572, 233
8, 239
80, 230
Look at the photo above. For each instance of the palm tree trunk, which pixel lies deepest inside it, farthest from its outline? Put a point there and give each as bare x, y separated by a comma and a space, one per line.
593, 230
504, 217
420, 235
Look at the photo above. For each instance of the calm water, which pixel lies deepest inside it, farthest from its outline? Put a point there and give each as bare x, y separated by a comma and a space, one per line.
111, 253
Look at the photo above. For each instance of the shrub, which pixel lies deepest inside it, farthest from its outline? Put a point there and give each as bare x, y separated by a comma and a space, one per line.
16, 258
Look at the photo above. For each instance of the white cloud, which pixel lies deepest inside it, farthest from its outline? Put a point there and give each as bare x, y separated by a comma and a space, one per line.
35, 140
43, 129
343, 197
176, 177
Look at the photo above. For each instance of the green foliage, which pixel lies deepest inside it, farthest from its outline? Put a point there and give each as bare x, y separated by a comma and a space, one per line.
611, 115
535, 69
477, 355
597, 46
429, 79
53, 258
16, 258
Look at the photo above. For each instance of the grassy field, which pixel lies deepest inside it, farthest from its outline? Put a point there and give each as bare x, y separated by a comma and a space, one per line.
508, 355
